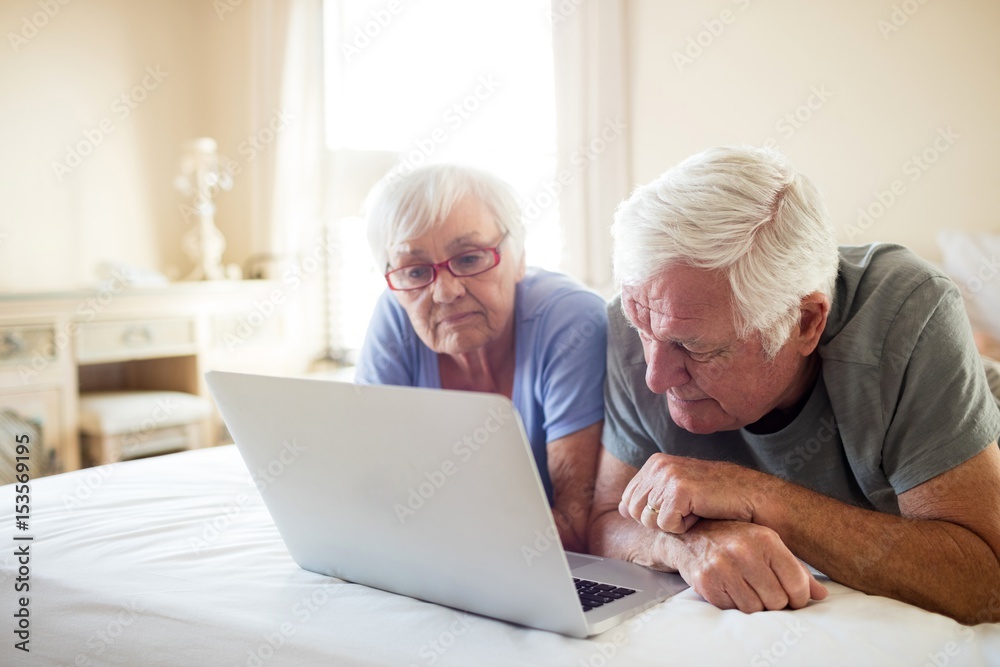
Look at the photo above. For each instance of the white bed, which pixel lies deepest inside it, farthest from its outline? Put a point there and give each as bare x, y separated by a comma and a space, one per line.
175, 561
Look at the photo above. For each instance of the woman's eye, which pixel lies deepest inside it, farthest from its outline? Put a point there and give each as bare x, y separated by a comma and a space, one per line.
470, 259
417, 272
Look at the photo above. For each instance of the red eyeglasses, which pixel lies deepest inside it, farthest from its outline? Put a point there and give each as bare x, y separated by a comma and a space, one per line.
463, 265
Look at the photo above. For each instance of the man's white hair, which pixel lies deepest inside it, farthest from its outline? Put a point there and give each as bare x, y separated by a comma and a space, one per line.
743, 210
403, 206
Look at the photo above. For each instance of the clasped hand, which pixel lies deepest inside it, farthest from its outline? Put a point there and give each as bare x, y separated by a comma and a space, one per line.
730, 561
672, 492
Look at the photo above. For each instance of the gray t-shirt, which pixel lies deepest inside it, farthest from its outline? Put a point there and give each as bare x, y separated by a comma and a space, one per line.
901, 398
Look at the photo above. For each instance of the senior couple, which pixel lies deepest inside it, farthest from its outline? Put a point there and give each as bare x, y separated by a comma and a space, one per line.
753, 398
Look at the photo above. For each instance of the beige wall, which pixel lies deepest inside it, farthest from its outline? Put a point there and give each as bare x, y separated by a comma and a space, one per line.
879, 100
119, 204
888, 98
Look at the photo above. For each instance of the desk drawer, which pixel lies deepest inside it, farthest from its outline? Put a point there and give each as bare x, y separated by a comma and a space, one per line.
19, 345
137, 339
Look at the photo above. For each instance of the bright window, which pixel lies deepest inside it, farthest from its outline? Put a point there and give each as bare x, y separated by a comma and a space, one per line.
463, 81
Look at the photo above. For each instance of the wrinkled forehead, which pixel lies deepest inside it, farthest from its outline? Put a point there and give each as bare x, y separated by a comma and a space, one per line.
680, 296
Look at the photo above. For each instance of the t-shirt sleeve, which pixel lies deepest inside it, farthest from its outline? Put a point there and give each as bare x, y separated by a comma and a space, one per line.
936, 400
387, 355
624, 436
574, 337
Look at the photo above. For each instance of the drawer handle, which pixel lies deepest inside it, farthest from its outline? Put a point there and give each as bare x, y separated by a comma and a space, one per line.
11, 345
137, 335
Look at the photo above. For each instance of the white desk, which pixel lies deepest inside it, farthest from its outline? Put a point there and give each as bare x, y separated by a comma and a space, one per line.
54, 345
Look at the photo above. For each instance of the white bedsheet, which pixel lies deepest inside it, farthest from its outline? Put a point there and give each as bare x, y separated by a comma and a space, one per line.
175, 561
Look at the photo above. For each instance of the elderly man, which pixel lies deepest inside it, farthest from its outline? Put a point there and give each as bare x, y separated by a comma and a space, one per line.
770, 398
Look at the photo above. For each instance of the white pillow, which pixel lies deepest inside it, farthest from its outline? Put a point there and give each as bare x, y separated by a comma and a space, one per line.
973, 262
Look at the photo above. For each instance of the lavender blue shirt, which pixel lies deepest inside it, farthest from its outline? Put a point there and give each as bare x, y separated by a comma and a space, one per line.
560, 339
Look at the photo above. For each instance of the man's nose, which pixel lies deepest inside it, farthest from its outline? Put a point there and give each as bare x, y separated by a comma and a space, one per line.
664, 367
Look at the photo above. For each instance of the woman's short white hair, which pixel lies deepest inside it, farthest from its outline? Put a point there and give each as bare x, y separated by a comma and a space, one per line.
403, 206
746, 211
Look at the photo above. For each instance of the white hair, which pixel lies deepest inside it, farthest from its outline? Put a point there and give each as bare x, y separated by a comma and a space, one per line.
743, 210
403, 206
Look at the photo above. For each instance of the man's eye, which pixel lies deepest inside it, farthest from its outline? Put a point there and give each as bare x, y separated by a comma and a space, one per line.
701, 356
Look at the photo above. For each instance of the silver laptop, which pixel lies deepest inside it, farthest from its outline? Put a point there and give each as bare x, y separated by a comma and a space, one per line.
432, 494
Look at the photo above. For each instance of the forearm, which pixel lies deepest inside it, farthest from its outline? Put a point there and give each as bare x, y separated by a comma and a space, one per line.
614, 536
572, 467
936, 565
571, 509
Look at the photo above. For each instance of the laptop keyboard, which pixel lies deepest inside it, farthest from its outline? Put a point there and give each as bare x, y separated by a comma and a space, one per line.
593, 594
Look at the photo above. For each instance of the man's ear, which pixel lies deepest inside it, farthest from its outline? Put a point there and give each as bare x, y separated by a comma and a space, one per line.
814, 309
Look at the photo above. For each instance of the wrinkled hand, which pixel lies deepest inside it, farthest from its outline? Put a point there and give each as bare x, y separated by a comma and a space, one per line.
737, 565
683, 490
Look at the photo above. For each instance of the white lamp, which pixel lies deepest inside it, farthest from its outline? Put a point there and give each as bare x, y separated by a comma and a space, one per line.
202, 177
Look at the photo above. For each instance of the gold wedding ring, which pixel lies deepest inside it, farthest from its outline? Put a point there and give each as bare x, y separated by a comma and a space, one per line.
652, 509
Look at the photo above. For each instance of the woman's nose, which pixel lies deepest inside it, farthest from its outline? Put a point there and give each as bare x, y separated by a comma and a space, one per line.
446, 288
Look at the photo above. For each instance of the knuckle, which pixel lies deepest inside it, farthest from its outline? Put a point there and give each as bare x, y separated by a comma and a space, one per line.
668, 509
798, 599
777, 600
714, 564
704, 576
713, 594
721, 601
768, 539
769, 536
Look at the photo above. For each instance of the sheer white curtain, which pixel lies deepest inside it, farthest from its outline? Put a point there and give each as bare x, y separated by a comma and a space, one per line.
288, 109
591, 79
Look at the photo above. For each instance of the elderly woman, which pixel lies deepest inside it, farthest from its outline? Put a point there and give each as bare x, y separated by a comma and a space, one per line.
462, 311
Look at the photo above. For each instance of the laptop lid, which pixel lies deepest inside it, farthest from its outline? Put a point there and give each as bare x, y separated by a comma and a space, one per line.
431, 494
